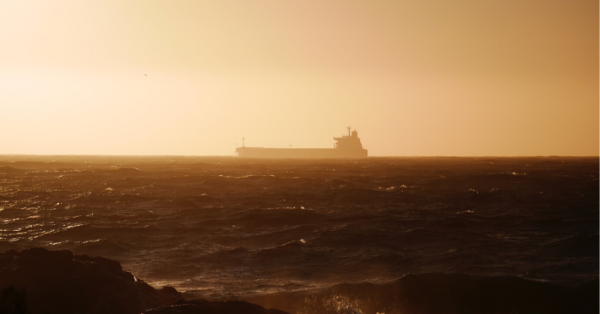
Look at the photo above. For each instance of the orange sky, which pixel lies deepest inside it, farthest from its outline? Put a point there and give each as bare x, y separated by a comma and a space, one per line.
416, 78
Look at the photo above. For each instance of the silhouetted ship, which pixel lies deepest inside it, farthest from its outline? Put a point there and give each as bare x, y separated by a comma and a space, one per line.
347, 146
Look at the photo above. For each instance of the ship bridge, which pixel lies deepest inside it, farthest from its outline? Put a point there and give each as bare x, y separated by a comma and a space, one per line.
350, 141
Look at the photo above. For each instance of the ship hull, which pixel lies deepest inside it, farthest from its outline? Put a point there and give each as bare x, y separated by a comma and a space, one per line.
260, 152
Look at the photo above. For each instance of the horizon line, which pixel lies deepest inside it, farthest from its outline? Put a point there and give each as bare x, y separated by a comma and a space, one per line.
376, 156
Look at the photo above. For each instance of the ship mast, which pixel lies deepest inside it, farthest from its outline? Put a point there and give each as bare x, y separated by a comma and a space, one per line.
348, 130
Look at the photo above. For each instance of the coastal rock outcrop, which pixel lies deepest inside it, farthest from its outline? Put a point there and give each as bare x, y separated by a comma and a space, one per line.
206, 307
40, 281
43, 281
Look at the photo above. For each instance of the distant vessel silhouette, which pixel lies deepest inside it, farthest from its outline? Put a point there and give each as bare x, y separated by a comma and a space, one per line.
347, 146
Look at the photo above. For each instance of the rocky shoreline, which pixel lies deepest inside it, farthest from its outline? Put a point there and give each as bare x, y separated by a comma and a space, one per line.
40, 281
36, 281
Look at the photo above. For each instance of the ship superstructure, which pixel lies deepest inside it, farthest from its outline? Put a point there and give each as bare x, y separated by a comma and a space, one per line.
347, 146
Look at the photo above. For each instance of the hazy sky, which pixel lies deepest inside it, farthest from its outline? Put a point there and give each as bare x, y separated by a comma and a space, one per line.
416, 78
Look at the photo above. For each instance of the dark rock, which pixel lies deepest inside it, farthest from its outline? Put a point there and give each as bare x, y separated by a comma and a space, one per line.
13, 302
207, 307
60, 282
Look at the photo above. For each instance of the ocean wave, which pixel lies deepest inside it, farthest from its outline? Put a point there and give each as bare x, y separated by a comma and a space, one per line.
230, 227
441, 293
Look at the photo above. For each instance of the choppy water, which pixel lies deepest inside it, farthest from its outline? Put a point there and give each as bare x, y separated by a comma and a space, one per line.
228, 227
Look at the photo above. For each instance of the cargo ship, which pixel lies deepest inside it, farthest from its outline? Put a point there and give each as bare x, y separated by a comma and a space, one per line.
347, 146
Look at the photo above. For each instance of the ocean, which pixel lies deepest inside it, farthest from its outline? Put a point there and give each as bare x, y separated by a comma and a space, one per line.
222, 228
